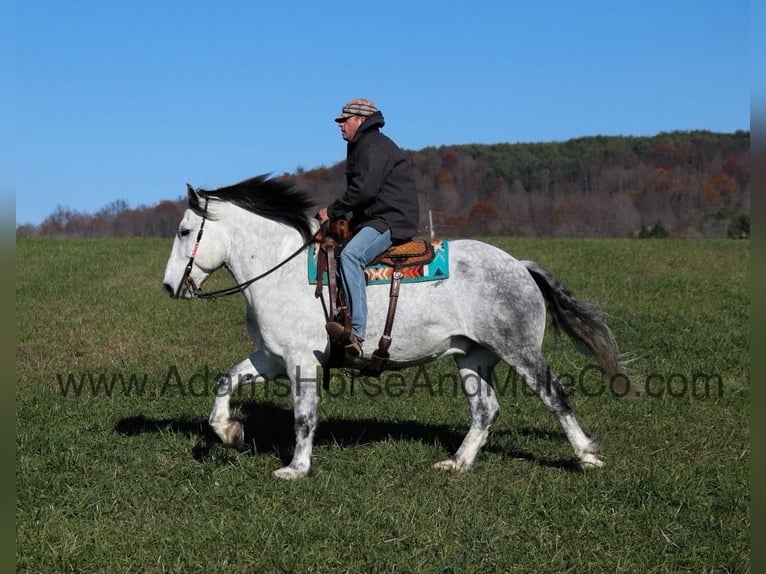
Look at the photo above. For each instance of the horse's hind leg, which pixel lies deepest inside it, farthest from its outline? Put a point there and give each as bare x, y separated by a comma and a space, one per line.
538, 376
476, 375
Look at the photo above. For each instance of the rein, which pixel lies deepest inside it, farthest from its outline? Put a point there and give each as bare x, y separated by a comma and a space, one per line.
239, 287
197, 293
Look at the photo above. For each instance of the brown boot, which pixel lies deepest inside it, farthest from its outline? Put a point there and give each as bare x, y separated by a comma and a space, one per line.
352, 343
335, 331
354, 346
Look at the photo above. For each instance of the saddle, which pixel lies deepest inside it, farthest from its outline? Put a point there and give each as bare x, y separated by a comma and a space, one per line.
399, 256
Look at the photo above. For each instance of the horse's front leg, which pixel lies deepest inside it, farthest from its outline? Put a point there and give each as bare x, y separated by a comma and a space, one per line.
304, 383
255, 369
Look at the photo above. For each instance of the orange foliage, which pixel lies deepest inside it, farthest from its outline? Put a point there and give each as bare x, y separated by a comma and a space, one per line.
444, 177
483, 212
717, 188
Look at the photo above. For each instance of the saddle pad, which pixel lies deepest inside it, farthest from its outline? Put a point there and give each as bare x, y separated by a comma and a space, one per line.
381, 274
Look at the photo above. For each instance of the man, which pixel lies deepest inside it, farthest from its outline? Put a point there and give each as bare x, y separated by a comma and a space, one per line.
381, 198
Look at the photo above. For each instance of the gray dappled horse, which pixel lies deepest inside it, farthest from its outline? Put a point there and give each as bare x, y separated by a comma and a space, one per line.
491, 308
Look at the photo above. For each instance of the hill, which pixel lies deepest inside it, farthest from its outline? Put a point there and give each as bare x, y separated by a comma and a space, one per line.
684, 184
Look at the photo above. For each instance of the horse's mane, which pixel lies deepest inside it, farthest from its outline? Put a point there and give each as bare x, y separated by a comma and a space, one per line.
269, 197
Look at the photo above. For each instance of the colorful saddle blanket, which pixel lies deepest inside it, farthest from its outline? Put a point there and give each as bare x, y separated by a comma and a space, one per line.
379, 274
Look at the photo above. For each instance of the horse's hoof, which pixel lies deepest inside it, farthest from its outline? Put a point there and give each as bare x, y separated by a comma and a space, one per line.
234, 435
589, 461
450, 465
288, 473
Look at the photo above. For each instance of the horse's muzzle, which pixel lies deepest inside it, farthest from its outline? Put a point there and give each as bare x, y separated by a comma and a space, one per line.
186, 290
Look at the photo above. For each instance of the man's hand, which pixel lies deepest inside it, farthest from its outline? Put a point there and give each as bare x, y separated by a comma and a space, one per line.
322, 216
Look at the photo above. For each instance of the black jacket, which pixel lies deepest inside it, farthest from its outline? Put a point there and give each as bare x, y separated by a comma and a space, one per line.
380, 188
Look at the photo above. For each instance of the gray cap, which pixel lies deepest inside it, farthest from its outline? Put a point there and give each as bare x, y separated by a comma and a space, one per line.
357, 107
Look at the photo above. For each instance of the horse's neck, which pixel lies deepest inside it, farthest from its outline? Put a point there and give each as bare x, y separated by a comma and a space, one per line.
256, 246
259, 244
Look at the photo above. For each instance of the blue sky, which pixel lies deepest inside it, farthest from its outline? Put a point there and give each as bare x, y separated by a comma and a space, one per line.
131, 100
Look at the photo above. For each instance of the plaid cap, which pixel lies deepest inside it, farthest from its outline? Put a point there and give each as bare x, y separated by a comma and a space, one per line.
357, 107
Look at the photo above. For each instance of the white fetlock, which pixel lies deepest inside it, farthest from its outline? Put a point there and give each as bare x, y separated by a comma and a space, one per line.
451, 465
289, 473
588, 461
232, 434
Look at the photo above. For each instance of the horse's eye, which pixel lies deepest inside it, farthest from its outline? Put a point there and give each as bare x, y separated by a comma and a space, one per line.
184, 232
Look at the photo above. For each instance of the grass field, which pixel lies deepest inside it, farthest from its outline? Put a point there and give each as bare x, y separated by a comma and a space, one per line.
131, 479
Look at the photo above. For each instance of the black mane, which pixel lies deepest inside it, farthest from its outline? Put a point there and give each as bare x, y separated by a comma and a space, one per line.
269, 197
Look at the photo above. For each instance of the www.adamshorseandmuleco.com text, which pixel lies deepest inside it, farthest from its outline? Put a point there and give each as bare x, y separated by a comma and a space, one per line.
417, 381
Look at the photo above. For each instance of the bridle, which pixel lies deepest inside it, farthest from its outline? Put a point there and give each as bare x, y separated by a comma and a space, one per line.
196, 292
186, 280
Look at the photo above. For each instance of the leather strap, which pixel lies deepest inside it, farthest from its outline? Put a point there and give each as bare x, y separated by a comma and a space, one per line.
332, 279
321, 269
338, 308
380, 355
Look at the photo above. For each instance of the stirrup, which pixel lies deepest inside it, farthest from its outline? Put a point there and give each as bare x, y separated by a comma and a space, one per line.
352, 344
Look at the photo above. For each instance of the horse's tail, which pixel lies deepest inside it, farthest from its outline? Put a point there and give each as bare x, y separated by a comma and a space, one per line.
583, 323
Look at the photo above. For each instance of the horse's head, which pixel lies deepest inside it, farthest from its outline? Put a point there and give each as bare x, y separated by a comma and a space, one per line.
198, 248
264, 212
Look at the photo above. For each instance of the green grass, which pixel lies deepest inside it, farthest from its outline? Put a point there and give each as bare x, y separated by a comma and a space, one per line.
134, 481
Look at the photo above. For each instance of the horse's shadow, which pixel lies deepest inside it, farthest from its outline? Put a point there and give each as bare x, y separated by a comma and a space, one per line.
269, 429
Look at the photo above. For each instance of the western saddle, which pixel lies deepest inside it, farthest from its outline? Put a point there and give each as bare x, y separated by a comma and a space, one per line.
399, 256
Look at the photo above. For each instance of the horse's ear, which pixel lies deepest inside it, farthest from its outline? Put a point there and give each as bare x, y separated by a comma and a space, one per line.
193, 195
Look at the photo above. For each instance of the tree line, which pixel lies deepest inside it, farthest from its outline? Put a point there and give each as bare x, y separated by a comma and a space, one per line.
683, 184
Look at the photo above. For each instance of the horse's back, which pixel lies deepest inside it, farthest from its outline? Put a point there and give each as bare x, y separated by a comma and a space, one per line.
493, 282
488, 298
483, 270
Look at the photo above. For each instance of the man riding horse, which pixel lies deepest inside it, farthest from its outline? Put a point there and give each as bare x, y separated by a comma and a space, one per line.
381, 198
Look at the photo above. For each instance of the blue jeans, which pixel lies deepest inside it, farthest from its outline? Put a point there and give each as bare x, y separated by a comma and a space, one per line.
363, 247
